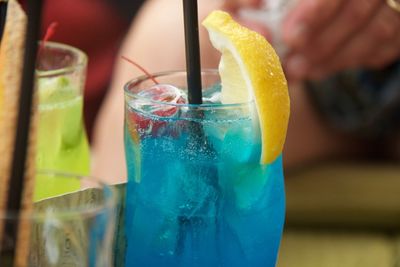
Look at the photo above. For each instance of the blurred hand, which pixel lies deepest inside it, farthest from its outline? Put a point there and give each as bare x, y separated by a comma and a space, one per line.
233, 7
326, 36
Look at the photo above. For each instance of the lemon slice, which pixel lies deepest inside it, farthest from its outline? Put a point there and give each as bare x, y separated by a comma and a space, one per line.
250, 69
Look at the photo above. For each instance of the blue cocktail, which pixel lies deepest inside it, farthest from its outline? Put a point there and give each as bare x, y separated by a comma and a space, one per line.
197, 194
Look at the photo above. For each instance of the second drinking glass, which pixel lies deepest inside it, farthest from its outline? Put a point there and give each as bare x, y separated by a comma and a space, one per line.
62, 141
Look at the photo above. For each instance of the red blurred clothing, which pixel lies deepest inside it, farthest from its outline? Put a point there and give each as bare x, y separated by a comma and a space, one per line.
97, 28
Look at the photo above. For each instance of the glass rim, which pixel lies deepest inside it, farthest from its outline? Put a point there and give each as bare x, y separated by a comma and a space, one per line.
66, 213
140, 79
81, 62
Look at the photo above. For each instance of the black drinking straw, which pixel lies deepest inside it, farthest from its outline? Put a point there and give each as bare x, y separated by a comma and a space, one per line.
3, 13
193, 66
16, 185
191, 225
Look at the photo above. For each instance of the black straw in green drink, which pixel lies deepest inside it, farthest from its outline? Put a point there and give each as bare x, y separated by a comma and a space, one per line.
3, 13
193, 66
16, 185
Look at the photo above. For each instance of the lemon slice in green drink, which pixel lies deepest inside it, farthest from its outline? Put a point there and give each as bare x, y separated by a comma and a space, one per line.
250, 69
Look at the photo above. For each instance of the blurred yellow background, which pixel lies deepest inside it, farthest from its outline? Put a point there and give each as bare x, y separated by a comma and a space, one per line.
342, 215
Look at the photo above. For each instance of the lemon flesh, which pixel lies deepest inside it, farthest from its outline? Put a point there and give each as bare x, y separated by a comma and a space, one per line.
251, 70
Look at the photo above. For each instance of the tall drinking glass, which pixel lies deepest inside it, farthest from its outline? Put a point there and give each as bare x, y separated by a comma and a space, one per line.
74, 230
197, 194
62, 141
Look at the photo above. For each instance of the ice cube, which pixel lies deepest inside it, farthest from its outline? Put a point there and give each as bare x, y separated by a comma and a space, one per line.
154, 106
257, 215
212, 95
56, 90
241, 144
155, 100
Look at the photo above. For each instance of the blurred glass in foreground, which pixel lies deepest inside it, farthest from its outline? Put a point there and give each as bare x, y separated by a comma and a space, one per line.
75, 229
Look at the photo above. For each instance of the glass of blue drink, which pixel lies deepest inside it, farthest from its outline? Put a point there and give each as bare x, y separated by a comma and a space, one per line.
197, 194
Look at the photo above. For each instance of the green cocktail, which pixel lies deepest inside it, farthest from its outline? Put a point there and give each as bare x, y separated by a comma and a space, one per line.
62, 142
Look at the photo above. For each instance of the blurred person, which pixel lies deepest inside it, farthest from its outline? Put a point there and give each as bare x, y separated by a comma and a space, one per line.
350, 50
325, 39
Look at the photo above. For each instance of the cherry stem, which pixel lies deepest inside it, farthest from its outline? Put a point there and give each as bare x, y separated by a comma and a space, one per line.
141, 69
50, 31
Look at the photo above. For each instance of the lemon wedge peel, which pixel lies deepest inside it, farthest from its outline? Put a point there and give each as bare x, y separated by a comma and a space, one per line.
250, 69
